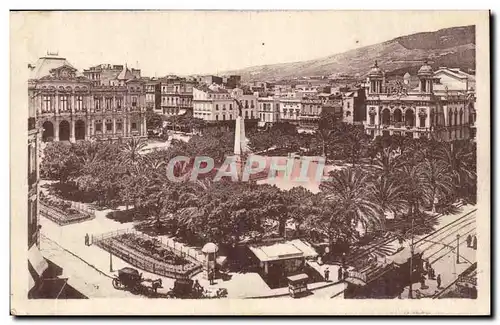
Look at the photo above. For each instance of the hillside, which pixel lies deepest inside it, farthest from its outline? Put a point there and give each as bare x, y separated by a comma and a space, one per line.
453, 47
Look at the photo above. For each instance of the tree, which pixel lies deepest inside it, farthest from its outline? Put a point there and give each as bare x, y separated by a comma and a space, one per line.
388, 194
154, 120
132, 150
461, 159
57, 161
349, 186
437, 178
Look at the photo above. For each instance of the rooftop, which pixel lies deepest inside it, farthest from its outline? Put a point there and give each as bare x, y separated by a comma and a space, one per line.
45, 64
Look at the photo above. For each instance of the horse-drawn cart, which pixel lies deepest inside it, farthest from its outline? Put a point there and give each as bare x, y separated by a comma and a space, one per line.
130, 279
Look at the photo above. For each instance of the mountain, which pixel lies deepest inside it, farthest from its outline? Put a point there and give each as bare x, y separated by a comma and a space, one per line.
452, 47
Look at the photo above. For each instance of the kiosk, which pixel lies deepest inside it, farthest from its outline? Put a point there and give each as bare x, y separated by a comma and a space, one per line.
297, 285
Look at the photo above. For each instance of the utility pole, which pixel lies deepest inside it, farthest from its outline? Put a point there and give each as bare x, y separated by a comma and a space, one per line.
110, 262
412, 248
458, 248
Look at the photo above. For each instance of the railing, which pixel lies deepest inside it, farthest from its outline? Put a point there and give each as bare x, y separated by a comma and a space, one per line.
111, 242
62, 218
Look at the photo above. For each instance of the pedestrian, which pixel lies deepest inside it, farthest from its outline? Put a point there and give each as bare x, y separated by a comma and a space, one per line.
474, 243
327, 274
432, 274
343, 258
438, 280
346, 274
339, 274
427, 265
87, 239
469, 240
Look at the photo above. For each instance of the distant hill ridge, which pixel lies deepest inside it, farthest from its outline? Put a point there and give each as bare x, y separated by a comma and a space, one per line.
452, 47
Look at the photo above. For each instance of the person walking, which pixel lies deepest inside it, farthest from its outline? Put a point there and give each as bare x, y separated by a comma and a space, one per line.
339, 274
469, 240
438, 280
474, 243
327, 274
87, 239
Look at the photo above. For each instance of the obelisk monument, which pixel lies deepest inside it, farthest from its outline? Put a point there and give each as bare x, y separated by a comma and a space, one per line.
240, 140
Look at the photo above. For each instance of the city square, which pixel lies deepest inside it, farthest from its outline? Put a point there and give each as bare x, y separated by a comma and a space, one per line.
346, 185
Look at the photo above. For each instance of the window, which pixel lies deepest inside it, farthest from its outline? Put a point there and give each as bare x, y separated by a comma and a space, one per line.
223, 107
372, 119
109, 125
119, 103
79, 103
251, 104
97, 103
251, 114
134, 101
134, 126
47, 104
422, 121
119, 125
64, 103
246, 114
216, 107
246, 103
348, 113
230, 116
223, 117
98, 126
216, 117
348, 104
230, 107
108, 103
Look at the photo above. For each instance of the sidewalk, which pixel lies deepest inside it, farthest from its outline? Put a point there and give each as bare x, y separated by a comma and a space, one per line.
81, 276
449, 270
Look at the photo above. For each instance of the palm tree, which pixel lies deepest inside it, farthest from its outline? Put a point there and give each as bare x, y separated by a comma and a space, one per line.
437, 179
349, 186
131, 150
461, 161
388, 193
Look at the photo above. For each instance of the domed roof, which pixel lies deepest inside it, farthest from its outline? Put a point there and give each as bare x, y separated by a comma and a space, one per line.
426, 69
375, 71
210, 248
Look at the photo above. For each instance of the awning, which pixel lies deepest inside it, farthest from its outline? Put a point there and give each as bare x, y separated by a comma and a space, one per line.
285, 250
298, 277
37, 261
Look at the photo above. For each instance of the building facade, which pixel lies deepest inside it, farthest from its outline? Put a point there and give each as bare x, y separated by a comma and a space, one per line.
311, 108
176, 96
290, 106
268, 110
213, 103
354, 106
433, 108
153, 96
71, 107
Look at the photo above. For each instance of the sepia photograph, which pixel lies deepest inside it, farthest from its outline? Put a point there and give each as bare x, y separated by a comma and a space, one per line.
250, 162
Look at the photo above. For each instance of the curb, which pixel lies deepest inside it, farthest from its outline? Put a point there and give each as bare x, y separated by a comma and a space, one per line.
330, 284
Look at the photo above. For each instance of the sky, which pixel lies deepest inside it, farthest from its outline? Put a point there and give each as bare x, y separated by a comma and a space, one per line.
187, 42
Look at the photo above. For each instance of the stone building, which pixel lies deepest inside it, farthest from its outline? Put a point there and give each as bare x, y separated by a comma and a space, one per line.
441, 106
176, 95
213, 103
72, 107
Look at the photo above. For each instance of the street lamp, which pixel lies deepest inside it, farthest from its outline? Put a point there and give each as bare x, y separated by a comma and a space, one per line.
458, 248
412, 249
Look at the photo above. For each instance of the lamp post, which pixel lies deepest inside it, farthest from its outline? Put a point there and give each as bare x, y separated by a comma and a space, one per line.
412, 249
458, 248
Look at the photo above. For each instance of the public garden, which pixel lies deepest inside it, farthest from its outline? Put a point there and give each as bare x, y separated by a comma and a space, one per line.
380, 187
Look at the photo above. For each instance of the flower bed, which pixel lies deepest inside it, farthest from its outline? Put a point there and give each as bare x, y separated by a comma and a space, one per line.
61, 212
148, 254
151, 247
